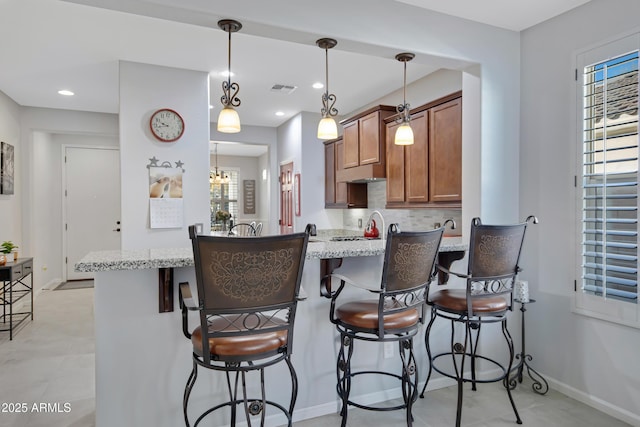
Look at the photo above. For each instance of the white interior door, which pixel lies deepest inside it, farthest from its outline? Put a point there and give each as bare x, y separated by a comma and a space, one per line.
92, 204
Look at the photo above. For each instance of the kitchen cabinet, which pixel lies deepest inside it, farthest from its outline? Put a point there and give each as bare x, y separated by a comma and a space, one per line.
445, 152
429, 172
340, 195
364, 145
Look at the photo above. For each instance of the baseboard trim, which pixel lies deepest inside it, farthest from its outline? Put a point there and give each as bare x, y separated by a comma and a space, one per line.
50, 285
595, 402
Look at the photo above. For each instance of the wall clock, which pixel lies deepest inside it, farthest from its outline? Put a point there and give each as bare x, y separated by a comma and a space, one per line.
166, 125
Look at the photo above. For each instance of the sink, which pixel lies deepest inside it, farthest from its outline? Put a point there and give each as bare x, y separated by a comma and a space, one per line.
352, 238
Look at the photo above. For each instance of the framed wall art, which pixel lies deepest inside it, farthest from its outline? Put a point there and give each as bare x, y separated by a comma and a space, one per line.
296, 193
6, 168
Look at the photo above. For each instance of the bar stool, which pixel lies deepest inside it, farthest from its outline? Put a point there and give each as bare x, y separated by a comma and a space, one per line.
248, 290
494, 253
394, 316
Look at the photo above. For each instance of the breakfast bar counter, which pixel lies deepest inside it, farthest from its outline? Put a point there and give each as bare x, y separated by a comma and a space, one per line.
319, 248
143, 360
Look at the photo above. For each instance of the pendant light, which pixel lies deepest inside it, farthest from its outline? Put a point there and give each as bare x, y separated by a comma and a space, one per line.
327, 128
217, 178
404, 133
228, 120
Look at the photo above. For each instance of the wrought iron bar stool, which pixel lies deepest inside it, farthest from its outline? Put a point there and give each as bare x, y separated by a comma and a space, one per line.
394, 316
494, 253
248, 290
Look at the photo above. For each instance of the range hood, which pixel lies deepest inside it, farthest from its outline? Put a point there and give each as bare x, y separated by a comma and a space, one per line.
362, 173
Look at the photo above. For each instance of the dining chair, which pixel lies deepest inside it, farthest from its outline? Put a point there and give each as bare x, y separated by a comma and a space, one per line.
242, 229
247, 296
494, 254
395, 315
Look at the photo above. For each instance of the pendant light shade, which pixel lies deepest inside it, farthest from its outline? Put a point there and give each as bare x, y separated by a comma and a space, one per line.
404, 133
327, 128
228, 119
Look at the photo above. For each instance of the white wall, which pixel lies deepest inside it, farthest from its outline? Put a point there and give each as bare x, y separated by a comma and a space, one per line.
264, 190
143, 90
298, 142
43, 131
10, 205
247, 169
47, 206
593, 359
264, 136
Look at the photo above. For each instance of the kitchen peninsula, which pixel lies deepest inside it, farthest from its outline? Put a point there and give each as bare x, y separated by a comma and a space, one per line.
140, 375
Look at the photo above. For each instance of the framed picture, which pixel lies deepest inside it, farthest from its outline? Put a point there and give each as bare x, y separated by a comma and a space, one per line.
296, 193
6, 168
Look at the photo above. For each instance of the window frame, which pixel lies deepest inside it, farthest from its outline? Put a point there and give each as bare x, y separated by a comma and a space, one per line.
608, 309
212, 200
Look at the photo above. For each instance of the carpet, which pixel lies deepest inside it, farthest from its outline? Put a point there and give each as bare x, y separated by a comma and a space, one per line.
75, 284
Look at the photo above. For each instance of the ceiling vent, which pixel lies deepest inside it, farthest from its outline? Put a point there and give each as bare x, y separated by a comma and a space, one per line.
284, 89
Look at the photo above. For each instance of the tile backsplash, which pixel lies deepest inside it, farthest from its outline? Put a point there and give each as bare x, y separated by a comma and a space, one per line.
408, 219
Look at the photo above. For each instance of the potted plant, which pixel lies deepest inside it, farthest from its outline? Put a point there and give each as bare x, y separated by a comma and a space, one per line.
7, 247
224, 217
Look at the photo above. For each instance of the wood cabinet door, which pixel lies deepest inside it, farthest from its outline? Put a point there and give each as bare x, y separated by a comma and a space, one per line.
369, 134
445, 152
340, 187
417, 161
350, 137
395, 165
329, 174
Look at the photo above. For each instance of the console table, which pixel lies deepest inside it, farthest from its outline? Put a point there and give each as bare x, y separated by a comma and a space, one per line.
14, 287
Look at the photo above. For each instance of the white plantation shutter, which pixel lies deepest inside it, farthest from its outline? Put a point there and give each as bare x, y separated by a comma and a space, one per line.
225, 196
609, 186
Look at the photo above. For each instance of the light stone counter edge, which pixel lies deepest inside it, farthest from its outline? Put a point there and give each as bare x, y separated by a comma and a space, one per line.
139, 259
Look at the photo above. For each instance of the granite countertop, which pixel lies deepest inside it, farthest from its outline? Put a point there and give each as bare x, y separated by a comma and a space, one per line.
319, 247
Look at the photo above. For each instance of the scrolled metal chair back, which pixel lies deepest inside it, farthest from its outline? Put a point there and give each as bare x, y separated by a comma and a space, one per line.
494, 256
248, 286
409, 268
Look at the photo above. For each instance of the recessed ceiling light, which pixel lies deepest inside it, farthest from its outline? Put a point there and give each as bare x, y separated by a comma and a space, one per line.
66, 92
210, 107
279, 113
226, 73
318, 85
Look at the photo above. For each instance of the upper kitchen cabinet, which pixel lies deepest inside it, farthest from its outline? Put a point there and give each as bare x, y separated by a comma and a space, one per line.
340, 195
364, 145
445, 152
429, 172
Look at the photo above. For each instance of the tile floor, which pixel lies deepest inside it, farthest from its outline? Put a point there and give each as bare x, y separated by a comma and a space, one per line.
51, 361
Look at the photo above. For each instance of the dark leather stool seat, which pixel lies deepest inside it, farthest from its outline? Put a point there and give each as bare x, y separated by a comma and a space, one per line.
244, 345
364, 315
455, 300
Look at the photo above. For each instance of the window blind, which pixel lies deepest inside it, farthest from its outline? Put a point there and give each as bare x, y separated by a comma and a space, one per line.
610, 179
224, 196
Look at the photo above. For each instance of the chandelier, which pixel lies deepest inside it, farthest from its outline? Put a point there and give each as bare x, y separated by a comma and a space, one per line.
217, 177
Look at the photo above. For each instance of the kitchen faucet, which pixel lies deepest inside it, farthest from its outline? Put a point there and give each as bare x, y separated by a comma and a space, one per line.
383, 230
